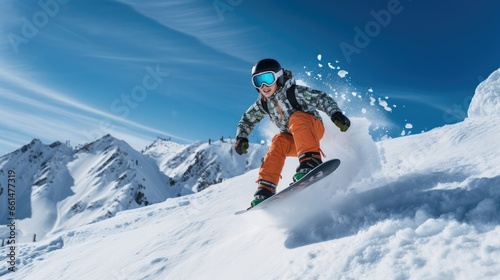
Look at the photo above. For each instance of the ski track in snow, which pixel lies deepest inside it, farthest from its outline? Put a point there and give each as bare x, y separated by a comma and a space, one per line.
425, 206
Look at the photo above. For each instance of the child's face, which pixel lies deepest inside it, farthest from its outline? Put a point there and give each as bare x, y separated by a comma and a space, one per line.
268, 91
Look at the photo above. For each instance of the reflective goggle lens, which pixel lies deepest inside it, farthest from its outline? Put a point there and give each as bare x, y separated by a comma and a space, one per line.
268, 78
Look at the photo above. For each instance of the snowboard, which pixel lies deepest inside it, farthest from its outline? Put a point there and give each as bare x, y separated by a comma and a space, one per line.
318, 173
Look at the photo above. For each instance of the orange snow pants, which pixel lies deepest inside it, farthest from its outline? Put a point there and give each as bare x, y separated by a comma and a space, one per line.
306, 132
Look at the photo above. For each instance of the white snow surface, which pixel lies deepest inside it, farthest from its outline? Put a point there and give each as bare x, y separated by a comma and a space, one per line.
424, 206
486, 101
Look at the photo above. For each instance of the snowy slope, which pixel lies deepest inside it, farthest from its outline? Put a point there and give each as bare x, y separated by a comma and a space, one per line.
425, 206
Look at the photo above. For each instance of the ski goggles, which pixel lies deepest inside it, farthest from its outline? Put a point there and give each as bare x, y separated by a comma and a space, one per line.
268, 78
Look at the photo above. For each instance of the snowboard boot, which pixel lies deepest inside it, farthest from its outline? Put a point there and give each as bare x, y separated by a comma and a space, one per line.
308, 161
266, 190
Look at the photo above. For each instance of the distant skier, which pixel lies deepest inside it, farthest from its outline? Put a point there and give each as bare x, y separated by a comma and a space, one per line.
293, 109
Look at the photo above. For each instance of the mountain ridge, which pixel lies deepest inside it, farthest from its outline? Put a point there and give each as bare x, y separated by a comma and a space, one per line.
59, 187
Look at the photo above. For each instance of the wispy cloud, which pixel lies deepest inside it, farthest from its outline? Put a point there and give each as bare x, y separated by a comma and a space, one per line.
37, 110
229, 35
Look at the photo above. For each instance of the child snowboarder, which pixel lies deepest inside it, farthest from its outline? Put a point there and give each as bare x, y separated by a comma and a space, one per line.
293, 109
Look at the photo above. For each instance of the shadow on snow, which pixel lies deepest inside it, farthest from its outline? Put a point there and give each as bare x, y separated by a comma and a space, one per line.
477, 204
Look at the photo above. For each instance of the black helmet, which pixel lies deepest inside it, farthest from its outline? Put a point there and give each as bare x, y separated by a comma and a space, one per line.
267, 64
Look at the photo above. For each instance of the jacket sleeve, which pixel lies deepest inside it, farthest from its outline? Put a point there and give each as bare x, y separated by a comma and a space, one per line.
250, 118
316, 99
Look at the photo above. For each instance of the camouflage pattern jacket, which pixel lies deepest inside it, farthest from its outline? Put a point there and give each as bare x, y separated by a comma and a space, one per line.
280, 108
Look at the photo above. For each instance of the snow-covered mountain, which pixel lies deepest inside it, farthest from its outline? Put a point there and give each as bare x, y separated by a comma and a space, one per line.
201, 164
110, 176
59, 188
41, 180
425, 206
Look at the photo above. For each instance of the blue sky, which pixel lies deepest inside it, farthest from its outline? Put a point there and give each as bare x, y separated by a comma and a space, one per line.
76, 70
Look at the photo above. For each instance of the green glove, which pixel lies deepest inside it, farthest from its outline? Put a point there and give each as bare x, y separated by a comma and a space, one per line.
341, 121
241, 145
